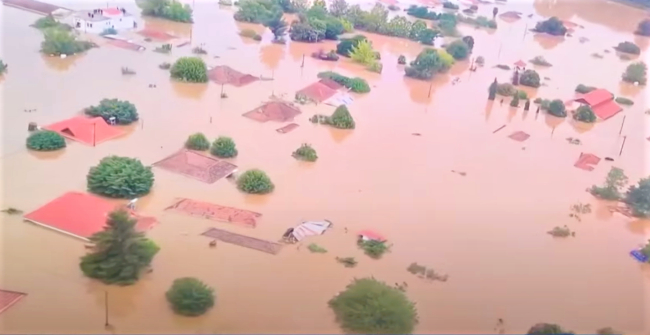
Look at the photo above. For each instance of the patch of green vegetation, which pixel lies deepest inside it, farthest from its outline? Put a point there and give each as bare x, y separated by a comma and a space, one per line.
428, 63
348, 262
255, 182
530, 78
638, 199
561, 232
315, 248
250, 33
190, 69
624, 101
120, 177
552, 26
357, 85
584, 114
167, 9
424, 272
372, 248
458, 49
108, 31
190, 297
122, 111
197, 141
61, 42
614, 183
224, 147
584, 88
506, 89
628, 47
541, 61
556, 108
45, 140
305, 153
49, 22
636, 73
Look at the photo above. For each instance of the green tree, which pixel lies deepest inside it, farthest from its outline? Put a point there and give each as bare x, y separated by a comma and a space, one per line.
120, 177
552, 26
584, 114
371, 307
277, 26
399, 26
547, 329
257, 11
636, 73
614, 184
307, 33
427, 36
167, 9
416, 29
458, 49
469, 40
515, 101
344, 48
197, 141
341, 118
190, 296
119, 253
45, 140
123, 111
638, 198
305, 153
224, 147
333, 28
557, 108
426, 65
255, 182
628, 47
339, 8
492, 90
530, 78
61, 42
643, 28
190, 69
363, 53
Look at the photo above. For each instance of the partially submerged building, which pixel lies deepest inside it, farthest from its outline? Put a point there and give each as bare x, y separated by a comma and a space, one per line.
601, 101
95, 21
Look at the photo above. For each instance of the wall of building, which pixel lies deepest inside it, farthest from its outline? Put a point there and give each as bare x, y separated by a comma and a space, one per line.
97, 27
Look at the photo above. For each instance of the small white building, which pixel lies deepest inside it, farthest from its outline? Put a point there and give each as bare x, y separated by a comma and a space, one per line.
95, 21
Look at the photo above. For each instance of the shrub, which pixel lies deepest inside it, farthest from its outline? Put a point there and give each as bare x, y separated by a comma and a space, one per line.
376, 67
255, 182
427, 36
552, 26
45, 140
450, 5
347, 44
584, 88
164, 66
401, 60
614, 183
363, 53
557, 108
638, 198
190, 69
506, 89
624, 101
197, 141
643, 28
224, 147
541, 61
277, 26
636, 73
315, 248
305, 153
515, 101
120, 177
167, 9
458, 49
250, 33
341, 118
372, 248
521, 95
426, 65
305, 33
120, 253
628, 47
48, 22
190, 296
371, 307
124, 112
547, 329
421, 12
530, 78
584, 114
61, 42
357, 85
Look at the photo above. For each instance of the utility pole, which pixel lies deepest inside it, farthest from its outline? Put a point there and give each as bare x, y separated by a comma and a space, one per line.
622, 124
106, 324
303, 61
430, 87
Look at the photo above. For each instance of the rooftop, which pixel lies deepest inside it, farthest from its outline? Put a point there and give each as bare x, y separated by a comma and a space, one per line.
106, 14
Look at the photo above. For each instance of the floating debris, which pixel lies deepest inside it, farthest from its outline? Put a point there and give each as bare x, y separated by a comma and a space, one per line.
348, 262
574, 141
460, 173
127, 71
426, 273
561, 232
12, 211
581, 208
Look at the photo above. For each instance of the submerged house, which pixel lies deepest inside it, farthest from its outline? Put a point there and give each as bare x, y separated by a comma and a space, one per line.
601, 101
95, 21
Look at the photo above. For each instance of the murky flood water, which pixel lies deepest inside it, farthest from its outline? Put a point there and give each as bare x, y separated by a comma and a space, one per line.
487, 230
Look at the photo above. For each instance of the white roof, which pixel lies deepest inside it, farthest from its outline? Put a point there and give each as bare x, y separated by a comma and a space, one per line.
310, 228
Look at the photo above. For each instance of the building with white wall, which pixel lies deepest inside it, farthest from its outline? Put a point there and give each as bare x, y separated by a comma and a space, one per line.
95, 21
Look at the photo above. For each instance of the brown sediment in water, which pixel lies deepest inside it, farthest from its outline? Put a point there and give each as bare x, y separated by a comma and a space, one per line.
215, 212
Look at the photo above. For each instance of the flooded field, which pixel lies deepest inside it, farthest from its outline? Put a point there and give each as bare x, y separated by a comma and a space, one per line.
486, 229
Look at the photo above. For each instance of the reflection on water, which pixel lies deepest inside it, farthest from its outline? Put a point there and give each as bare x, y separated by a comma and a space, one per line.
377, 176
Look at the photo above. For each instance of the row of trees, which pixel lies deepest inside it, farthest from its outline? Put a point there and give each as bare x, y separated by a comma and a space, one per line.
59, 40
167, 9
222, 147
637, 197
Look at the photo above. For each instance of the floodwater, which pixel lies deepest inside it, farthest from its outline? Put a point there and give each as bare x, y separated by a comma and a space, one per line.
487, 230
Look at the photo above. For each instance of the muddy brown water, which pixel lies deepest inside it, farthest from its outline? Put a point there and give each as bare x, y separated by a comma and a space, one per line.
487, 230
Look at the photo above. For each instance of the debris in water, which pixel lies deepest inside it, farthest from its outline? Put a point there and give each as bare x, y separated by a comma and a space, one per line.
561, 232
494, 132
416, 134
609, 159
461, 173
575, 141
12, 211
429, 274
348, 262
313, 247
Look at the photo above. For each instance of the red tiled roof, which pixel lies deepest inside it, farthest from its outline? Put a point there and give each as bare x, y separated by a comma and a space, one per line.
79, 214
372, 235
8, 298
587, 162
331, 83
279, 111
520, 63
86, 130
595, 97
224, 74
111, 11
317, 92
607, 109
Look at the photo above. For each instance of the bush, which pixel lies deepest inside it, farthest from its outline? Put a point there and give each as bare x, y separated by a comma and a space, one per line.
190, 296
305, 33
190, 69
259, 11
401, 60
530, 78
450, 5
376, 67
315, 248
363, 53
616, 180
628, 47
552, 26
347, 44
255, 182
522, 95
458, 49
120, 177
371, 307
109, 31
120, 253
421, 12
643, 28
357, 85
427, 36
557, 108
124, 112
372, 248
624, 101
584, 114
164, 66
305, 153
61, 42
584, 88
48, 22
426, 65
197, 141
167, 9
341, 118
638, 198
250, 33
506, 89
45, 140
224, 147
547, 329
515, 101
636, 73
541, 61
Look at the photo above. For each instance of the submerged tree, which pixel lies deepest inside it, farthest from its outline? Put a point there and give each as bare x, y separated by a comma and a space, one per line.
584, 114
255, 182
224, 147
638, 198
458, 49
363, 53
552, 26
615, 182
197, 141
547, 329
120, 177
636, 73
557, 108
45, 140
168, 9
341, 118
123, 111
190, 296
190, 69
61, 42
278, 27
120, 253
492, 90
530, 78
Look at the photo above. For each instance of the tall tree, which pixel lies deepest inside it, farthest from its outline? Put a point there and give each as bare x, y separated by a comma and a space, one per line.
638, 198
120, 253
495, 11
339, 8
363, 53
277, 26
492, 91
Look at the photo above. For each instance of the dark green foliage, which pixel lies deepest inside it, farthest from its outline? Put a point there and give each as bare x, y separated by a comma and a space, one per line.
636, 73
197, 141
644, 28
628, 47
624, 101
48, 22
167, 9
492, 90
305, 153
552, 26
614, 184
347, 44
515, 101
224, 147
109, 31
120, 253
372, 248
450, 5
422, 12
287, 6
427, 36
557, 108
3, 67
522, 95
469, 41
368, 306
506, 89
447, 24
341, 118
305, 33
120, 177
530, 78
61, 42
584, 88
638, 198
45, 140
333, 28
584, 114
458, 49
401, 60
277, 26
426, 65
258, 11
357, 85
190, 69
255, 182
315, 248
190, 297
124, 112
547, 329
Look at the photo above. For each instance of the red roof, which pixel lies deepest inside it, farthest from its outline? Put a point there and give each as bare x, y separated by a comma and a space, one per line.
156, 34
80, 215
587, 162
8, 298
331, 83
606, 110
86, 130
318, 92
595, 97
111, 11
372, 235
224, 74
520, 63
279, 111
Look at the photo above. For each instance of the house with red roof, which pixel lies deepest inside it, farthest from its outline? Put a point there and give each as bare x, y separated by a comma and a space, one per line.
95, 21
601, 101
520, 64
91, 131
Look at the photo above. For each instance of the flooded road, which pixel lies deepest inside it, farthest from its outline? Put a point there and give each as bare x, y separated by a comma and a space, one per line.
487, 230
